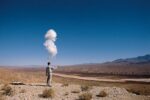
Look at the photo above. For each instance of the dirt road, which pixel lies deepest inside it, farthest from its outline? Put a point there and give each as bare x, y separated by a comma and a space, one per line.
136, 80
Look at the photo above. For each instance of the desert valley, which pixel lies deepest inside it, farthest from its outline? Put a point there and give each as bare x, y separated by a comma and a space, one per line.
107, 81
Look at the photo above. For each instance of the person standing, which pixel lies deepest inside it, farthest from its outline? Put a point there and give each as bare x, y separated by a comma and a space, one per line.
49, 74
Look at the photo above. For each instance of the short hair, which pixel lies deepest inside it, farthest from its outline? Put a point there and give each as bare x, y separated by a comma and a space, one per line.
48, 63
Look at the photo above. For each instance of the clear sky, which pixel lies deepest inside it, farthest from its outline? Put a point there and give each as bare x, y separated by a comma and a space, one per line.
89, 31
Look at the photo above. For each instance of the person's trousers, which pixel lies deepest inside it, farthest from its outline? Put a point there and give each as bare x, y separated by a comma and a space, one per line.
49, 79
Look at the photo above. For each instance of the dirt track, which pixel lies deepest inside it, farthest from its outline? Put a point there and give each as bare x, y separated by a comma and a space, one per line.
144, 80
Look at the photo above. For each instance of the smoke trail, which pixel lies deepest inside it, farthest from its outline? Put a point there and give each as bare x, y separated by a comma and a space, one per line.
50, 42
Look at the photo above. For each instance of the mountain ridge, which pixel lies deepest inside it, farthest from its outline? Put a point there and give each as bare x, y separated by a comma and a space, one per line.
135, 60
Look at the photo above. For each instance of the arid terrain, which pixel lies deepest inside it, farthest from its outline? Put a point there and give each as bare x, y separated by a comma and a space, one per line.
70, 92
69, 87
137, 67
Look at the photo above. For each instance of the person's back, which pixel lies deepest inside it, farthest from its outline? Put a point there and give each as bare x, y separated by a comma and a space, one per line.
49, 74
48, 70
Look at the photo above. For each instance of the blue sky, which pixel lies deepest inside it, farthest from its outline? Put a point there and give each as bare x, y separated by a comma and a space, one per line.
89, 31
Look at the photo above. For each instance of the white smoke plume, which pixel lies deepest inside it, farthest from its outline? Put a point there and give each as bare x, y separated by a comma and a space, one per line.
51, 35
50, 42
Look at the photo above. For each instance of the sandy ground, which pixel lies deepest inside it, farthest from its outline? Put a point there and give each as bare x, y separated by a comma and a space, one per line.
32, 92
146, 80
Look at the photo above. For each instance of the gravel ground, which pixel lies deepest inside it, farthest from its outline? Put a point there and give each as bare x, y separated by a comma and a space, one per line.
32, 92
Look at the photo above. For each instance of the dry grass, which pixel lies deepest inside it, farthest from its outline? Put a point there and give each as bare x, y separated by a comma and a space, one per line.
23, 91
139, 89
85, 96
102, 94
21, 76
65, 85
48, 93
134, 91
67, 93
7, 90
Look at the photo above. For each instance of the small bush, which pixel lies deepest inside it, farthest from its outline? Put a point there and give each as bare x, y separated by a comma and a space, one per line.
23, 91
48, 93
85, 96
75, 91
102, 94
85, 88
134, 91
66, 94
7, 90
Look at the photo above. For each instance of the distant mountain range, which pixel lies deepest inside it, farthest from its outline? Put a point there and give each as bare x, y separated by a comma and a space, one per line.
136, 60
131, 66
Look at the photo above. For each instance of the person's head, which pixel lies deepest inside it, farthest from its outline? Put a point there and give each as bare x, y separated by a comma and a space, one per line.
48, 63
